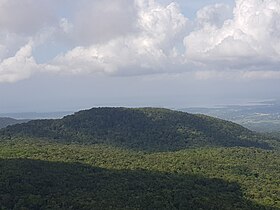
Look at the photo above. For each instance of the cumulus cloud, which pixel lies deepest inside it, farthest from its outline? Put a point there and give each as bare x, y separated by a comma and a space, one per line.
149, 49
140, 37
9, 43
250, 40
23, 26
214, 15
18, 67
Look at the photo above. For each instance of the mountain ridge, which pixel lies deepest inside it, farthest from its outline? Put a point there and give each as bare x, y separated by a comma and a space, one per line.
139, 128
6, 121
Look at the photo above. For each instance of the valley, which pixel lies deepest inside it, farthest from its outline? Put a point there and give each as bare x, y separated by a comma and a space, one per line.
262, 117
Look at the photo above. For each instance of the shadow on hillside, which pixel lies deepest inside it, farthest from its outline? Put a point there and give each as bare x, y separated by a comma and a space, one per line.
33, 184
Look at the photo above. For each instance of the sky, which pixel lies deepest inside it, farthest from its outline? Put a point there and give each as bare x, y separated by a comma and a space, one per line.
68, 55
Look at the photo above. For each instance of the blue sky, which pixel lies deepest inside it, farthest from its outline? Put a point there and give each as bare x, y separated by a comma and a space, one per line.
70, 55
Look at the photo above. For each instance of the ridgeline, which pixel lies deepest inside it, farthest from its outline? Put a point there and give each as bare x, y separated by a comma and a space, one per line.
150, 129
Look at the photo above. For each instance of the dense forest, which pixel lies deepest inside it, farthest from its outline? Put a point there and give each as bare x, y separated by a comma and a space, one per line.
86, 161
40, 175
141, 129
6, 121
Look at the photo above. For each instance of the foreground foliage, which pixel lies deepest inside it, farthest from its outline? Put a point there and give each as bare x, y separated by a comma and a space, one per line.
39, 175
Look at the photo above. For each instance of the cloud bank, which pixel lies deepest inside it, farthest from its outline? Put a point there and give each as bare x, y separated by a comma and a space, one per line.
139, 37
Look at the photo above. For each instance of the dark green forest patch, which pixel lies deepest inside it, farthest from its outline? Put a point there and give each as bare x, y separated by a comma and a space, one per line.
34, 184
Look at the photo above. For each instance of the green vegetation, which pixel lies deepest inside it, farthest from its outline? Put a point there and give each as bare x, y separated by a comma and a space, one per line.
140, 129
6, 121
117, 158
274, 134
40, 175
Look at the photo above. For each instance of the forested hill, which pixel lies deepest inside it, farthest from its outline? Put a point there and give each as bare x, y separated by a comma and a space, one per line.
5, 121
140, 128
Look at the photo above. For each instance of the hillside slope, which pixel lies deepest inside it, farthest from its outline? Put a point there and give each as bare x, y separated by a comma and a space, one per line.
43, 175
6, 121
142, 128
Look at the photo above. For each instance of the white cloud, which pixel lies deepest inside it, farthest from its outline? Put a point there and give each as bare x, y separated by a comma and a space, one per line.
249, 40
127, 37
18, 67
65, 25
214, 15
24, 25
147, 50
10, 43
